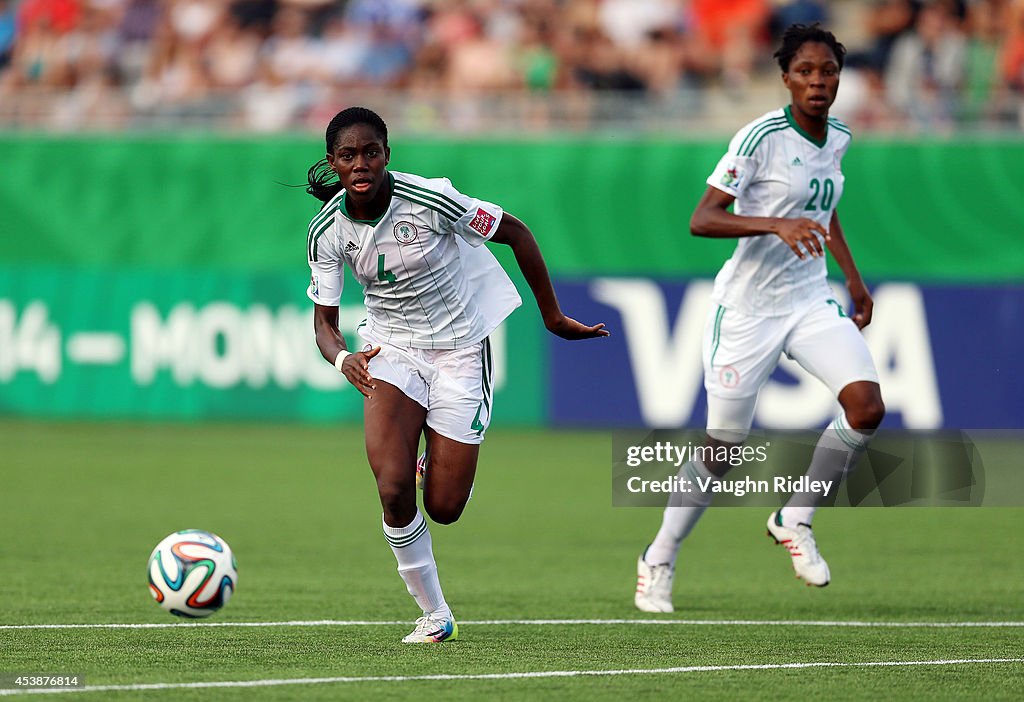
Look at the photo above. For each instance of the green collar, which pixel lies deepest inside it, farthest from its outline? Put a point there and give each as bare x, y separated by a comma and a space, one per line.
800, 130
371, 222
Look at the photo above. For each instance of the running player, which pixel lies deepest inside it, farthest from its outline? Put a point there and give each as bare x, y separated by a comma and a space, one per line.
782, 176
433, 294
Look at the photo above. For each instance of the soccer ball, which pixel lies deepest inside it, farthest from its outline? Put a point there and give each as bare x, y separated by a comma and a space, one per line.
192, 573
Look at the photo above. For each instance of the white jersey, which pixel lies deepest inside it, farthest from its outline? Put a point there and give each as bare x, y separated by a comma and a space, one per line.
775, 169
427, 280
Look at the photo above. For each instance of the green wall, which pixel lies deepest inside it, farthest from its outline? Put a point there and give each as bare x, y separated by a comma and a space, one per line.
928, 210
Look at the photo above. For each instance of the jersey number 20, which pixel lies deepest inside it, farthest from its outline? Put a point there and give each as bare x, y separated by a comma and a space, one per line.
826, 190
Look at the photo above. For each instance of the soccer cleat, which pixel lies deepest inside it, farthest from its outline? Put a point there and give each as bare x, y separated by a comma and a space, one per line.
653, 587
421, 475
429, 630
799, 541
421, 470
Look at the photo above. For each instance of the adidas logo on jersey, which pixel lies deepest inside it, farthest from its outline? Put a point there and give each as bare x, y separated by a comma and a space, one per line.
351, 247
797, 162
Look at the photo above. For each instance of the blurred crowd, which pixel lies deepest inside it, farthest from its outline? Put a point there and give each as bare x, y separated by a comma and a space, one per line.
937, 66
462, 64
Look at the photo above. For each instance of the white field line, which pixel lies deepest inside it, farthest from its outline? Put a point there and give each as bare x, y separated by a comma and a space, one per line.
274, 682
541, 622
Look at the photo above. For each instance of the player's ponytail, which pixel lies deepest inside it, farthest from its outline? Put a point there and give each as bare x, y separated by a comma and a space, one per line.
323, 181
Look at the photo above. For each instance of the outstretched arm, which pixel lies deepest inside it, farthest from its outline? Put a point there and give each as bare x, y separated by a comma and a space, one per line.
712, 218
512, 232
355, 366
859, 295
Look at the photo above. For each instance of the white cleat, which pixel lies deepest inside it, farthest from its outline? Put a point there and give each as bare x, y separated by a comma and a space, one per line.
799, 541
430, 630
653, 587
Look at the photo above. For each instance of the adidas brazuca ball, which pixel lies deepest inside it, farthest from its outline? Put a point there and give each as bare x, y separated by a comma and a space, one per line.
192, 573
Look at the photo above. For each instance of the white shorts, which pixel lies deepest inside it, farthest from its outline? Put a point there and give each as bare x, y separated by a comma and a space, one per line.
455, 386
741, 351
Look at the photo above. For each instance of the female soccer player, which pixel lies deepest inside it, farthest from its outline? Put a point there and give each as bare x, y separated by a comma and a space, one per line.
782, 176
433, 294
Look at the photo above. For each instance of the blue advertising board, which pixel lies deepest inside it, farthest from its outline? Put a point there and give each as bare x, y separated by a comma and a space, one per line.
947, 357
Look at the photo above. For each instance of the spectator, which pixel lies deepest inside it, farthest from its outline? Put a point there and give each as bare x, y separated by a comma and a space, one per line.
389, 57
1013, 53
344, 50
601, 65
137, 28
536, 60
629, 23
478, 63
38, 58
270, 104
739, 26
61, 16
233, 54
926, 68
291, 52
8, 27
258, 14
887, 20
786, 13
175, 75
985, 22
662, 62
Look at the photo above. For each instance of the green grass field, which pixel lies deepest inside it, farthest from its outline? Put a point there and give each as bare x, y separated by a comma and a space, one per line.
82, 505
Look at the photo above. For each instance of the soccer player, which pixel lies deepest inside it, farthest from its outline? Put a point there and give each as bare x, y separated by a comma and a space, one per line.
433, 294
782, 176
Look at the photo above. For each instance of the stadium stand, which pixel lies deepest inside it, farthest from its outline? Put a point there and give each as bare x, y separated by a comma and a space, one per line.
511, 66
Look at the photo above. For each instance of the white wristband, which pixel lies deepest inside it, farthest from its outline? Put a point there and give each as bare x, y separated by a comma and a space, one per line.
341, 358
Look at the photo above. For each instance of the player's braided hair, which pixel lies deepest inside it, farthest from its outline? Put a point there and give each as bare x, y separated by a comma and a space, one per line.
799, 34
323, 182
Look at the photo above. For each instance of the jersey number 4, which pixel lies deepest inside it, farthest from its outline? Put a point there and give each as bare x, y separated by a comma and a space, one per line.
383, 275
826, 189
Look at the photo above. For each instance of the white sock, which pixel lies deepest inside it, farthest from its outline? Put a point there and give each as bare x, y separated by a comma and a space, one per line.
415, 554
835, 456
680, 516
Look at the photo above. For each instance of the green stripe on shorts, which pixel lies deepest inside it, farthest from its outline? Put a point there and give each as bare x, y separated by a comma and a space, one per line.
716, 336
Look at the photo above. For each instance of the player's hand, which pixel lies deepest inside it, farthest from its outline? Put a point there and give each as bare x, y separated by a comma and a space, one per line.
356, 368
569, 328
800, 234
862, 303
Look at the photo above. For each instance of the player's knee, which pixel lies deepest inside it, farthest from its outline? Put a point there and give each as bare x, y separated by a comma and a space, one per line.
396, 498
444, 511
867, 415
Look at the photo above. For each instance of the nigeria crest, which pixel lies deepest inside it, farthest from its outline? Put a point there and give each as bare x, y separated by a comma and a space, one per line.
406, 232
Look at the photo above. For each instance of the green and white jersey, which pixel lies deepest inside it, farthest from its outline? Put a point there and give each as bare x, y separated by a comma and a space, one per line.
427, 280
775, 169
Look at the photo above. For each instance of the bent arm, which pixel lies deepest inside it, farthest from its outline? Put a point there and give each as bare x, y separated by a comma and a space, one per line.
513, 233
711, 218
516, 235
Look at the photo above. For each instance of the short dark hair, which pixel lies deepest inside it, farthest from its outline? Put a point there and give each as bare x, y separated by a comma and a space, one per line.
799, 34
323, 183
